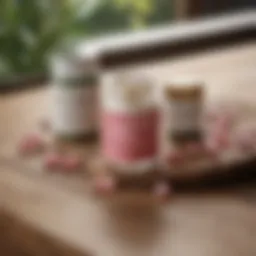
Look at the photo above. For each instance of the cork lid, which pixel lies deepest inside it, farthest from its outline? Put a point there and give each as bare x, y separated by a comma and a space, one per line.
184, 88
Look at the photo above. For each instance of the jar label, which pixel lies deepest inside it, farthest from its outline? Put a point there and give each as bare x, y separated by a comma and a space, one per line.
130, 137
74, 109
86, 80
185, 115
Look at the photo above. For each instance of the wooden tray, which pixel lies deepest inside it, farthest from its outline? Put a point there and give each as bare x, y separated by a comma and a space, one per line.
231, 162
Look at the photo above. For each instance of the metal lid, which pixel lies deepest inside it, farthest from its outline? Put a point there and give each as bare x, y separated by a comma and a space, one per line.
68, 64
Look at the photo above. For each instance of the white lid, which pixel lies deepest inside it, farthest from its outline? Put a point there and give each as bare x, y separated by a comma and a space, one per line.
65, 67
90, 60
70, 64
184, 81
127, 92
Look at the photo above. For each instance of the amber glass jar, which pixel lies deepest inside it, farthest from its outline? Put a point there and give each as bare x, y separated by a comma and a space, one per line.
185, 108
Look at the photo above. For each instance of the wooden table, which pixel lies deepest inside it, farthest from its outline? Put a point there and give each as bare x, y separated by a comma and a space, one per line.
45, 215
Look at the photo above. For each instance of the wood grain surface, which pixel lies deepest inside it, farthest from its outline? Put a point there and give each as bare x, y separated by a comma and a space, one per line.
45, 214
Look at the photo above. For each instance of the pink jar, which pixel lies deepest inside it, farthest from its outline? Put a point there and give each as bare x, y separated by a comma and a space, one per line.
129, 123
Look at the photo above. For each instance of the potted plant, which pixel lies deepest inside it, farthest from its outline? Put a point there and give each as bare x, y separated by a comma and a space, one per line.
29, 31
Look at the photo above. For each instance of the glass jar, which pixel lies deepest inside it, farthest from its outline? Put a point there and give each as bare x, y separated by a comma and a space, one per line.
74, 95
185, 110
129, 123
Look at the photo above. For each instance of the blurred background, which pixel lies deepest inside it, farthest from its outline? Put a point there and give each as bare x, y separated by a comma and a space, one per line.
31, 29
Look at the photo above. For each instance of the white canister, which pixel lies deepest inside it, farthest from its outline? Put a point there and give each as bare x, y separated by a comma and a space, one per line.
74, 95
129, 123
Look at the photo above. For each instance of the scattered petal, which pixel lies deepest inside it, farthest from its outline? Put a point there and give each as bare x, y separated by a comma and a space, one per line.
162, 190
219, 143
219, 138
105, 185
31, 144
225, 123
53, 161
72, 163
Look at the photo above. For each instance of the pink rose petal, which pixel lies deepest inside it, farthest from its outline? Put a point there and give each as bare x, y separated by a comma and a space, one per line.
223, 142
219, 139
105, 185
72, 163
53, 161
162, 190
219, 143
31, 144
224, 123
